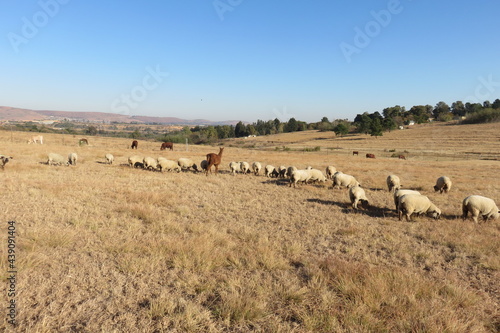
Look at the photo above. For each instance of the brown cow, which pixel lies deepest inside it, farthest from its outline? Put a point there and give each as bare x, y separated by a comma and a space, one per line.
370, 156
355, 153
134, 144
167, 145
214, 159
402, 157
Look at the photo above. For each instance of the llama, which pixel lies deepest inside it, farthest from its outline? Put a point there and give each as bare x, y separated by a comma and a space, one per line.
214, 159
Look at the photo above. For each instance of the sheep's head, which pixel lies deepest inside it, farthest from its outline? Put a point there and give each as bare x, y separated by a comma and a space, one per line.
364, 203
436, 214
436, 188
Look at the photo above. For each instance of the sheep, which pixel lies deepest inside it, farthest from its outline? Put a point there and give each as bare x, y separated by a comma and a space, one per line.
416, 203
342, 179
479, 205
168, 165
234, 167
133, 160
270, 171
442, 184
204, 165
72, 158
393, 183
150, 163
109, 158
300, 176
56, 159
186, 163
289, 171
4, 160
401, 192
256, 167
245, 167
281, 171
316, 175
357, 194
330, 170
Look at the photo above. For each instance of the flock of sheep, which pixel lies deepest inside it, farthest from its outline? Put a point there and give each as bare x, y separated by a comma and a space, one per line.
407, 202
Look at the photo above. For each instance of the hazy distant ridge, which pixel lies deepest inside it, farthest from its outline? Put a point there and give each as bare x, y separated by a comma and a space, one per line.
17, 114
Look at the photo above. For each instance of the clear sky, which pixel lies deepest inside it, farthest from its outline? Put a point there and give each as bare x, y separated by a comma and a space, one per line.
247, 59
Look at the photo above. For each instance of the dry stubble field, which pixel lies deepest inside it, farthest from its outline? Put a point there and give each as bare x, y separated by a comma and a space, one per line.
106, 248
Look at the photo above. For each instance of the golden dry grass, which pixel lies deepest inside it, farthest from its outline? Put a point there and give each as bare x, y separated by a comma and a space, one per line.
106, 248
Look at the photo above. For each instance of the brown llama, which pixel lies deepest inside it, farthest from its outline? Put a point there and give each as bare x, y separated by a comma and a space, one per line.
214, 159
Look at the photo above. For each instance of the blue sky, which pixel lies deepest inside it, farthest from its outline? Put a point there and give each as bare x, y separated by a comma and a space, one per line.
247, 60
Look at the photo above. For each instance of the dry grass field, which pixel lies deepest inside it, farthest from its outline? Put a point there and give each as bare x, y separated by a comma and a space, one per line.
106, 248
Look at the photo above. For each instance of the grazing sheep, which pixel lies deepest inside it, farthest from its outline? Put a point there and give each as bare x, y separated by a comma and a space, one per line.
204, 165
234, 167
56, 159
357, 195
150, 163
393, 183
300, 176
342, 179
168, 165
270, 171
416, 203
442, 184
316, 175
109, 158
401, 192
245, 167
282, 171
256, 166
72, 158
36, 139
330, 170
186, 163
133, 160
479, 205
289, 171
3, 160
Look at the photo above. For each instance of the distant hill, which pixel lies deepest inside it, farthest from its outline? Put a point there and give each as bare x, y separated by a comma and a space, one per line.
18, 114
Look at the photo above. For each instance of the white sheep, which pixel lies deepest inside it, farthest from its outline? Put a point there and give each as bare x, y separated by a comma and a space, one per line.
418, 204
109, 158
270, 171
393, 183
330, 170
256, 167
4, 159
357, 195
289, 171
150, 163
56, 159
316, 175
245, 167
135, 161
342, 179
186, 163
234, 167
300, 176
401, 192
443, 184
72, 158
168, 165
479, 205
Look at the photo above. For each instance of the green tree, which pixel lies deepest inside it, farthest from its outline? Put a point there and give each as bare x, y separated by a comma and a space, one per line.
458, 108
363, 123
388, 124
240, 130
441, 108
376, 128
341, 129
291, 125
